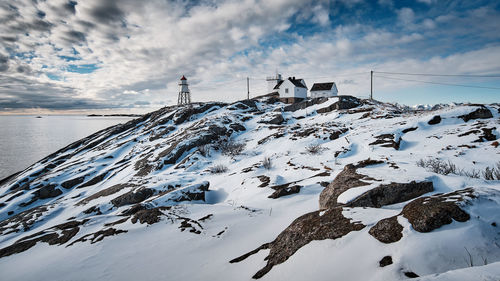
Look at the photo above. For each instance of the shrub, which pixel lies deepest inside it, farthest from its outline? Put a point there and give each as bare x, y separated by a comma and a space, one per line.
218, 169
314, 149
446, 168
232, 148
492, 173
266, 163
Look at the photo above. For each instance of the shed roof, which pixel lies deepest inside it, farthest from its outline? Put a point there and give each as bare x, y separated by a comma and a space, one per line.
322, 86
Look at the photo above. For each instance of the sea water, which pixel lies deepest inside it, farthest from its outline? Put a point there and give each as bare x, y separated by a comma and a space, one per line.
26, 139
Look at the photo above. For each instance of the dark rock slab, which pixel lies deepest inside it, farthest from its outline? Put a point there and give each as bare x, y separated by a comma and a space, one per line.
149, 216
345, 180
387, 230
480, 113
428, 213
385, 261
387, 194
73, 182
435, 120
284, 190
387, 140
132, 197
330, 224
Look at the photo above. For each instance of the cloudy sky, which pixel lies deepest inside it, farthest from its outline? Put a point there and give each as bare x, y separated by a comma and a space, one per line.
128, 55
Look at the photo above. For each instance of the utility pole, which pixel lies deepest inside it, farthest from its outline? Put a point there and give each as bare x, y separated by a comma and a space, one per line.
248, 88
371, 82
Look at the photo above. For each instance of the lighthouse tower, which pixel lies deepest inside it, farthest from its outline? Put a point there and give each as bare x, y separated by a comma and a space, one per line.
184, 94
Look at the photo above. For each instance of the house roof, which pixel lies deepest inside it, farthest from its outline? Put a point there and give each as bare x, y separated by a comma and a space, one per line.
278, 85
322, 86
296, 82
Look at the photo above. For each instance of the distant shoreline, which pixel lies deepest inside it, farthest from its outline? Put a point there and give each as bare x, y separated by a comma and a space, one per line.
114, 115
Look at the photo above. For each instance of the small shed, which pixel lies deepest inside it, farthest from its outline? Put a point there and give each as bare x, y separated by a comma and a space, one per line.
324, 90
291, 90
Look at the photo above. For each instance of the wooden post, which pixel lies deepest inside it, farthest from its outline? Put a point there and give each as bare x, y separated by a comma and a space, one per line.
371, 82
248, 88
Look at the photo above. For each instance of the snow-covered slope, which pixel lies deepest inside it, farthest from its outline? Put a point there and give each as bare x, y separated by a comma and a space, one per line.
179, 193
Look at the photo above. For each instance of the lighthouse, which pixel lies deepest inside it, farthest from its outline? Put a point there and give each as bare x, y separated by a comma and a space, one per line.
184, 94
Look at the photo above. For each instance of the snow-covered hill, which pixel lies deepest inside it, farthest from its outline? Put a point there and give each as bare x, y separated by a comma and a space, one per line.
265, 190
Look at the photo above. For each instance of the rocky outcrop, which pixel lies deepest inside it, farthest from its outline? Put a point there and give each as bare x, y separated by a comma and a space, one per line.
428, 213
56, 235
435, 120
480, 113
345, 180
149, 216
387, 230
387, 194
304, 104
132, 197
330, 224
388, 140
283, 190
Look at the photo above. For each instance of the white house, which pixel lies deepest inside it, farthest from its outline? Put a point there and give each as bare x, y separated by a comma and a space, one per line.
291, 90
320, 90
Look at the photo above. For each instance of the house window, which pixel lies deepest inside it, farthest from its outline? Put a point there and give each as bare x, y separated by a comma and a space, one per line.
286, 90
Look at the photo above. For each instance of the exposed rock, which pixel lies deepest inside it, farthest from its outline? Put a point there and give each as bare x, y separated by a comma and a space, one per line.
132, 197
275, 119
411, 274
387, 194
149, 216
237, 127
105, 192
407, 130
203, 137
345, 102
48, 191
345, 180
99, 235
387, 140
265, 180
385, 261
303, 104
93, 209
58, 234
95, 180
336, 134
73, 182
428, 213
480, 113
435, 120
330, 224
282, 190
487, 135
24, 219
387, 230
193, 193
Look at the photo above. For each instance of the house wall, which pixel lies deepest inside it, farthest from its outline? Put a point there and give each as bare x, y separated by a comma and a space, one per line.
323, 94
293, 92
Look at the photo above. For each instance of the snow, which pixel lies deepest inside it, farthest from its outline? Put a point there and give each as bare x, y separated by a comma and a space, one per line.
243, 217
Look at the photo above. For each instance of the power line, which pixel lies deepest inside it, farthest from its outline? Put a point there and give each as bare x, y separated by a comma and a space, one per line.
443, 75
439, 83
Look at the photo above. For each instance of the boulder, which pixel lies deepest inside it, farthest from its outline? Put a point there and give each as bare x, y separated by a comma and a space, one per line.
387, 194
428, 213
435, 120
480, 113
387, 230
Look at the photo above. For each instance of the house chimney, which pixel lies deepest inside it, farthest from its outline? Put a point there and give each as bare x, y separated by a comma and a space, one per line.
293, 77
